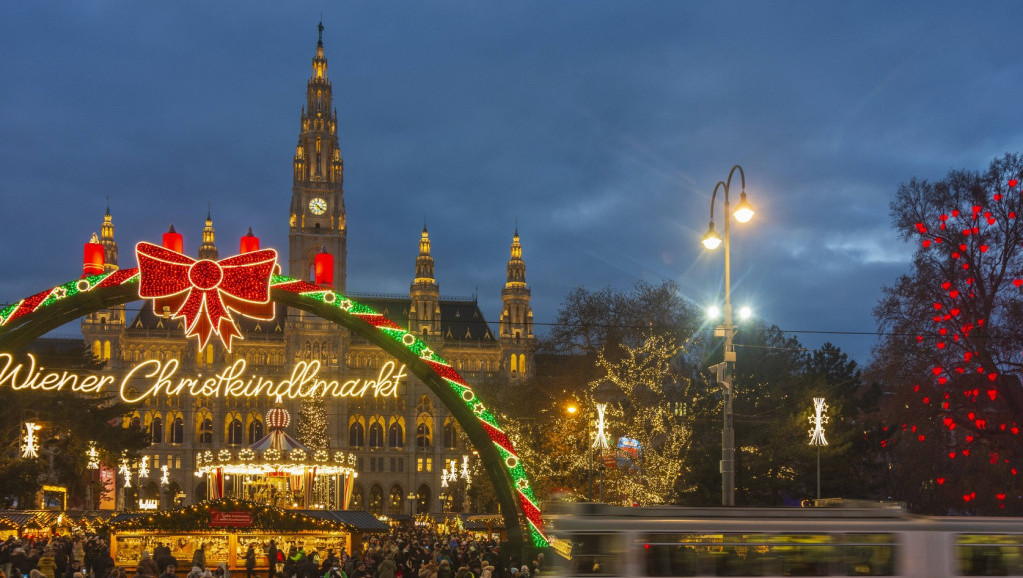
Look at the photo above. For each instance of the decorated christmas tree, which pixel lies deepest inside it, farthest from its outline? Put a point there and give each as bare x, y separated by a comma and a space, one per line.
312, 424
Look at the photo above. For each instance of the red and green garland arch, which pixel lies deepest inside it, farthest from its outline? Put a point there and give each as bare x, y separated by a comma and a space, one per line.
33, 316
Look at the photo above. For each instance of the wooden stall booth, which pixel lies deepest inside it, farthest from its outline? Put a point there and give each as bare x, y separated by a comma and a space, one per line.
225, 528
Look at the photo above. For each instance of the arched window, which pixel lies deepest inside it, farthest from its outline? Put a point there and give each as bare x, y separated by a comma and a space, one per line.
356, 502
450, 434
97, 350
106, 351
177, 430
234, 432
423, 495
356, 431
156, 428
204, 427
522, 363
255, 431
395, 435
376, 499
423, 439
376, 434
514, 363
395, 500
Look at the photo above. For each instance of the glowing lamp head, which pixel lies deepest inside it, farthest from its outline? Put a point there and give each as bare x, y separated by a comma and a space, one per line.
713, 312
173, 240
711, 240
278, 418
745, 313
249, 243
743, 211
93, 257
572, 408
323, 268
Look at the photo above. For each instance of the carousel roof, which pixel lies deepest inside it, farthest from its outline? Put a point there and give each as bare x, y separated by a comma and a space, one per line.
277, 440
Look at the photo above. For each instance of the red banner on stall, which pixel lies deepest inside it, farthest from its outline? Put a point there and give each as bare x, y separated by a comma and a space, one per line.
230, 519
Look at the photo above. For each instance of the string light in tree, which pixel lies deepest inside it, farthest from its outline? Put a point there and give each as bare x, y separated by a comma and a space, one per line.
92, 455
29, 441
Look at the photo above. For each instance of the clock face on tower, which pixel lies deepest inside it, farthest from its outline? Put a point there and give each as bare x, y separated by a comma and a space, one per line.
318, 206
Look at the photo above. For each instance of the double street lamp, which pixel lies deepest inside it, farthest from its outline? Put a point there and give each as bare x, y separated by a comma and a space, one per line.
743, 213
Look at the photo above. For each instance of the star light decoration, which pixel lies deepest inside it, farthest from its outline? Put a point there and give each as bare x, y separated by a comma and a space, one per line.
964, 392
29, 441
92, 457
817, 420
124, 469
165, 477
315, 295
144, 467
600, 437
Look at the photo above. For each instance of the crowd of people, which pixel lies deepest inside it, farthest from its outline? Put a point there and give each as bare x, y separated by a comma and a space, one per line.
418, 552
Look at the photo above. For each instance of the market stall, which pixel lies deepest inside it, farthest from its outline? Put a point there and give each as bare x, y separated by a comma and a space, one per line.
225, 528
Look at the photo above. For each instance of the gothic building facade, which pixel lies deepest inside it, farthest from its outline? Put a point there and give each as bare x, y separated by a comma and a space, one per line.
403, 444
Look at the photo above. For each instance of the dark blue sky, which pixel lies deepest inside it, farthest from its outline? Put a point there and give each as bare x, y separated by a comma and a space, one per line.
600, 126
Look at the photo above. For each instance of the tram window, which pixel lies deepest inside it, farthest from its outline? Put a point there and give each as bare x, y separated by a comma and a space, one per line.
755, 554
595, 555
990, 554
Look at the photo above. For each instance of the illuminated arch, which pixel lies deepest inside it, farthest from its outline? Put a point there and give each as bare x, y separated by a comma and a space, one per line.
33, 316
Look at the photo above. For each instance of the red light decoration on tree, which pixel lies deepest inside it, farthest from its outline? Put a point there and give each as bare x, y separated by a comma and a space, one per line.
205, 292
173, 240
93, 256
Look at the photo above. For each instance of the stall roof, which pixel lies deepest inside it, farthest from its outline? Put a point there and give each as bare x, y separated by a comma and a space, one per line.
358, 519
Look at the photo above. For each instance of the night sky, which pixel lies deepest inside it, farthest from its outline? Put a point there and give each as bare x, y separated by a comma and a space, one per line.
600, 128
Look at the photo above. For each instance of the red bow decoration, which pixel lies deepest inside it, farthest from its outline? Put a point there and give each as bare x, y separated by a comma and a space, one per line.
204, 292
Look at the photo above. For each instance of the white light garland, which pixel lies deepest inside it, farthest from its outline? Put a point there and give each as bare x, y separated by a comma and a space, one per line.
144, 467
165, 478
29, 442
817, 421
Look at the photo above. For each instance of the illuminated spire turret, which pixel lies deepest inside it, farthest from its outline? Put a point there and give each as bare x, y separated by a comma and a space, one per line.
317, 216
208, 249
516, 325
424, 312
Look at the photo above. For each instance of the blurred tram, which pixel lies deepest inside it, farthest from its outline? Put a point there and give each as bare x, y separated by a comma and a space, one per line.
601, 540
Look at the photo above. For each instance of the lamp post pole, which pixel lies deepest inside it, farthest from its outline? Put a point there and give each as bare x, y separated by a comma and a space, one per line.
743, 213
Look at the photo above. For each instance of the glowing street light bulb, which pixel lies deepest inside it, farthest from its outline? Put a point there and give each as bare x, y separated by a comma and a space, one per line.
713, 312
571, 409
743, 211
745, 313
711, 239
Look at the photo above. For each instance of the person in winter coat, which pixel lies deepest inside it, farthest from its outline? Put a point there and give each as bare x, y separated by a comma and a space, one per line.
199, 556
387, 567
147, 566
250, 560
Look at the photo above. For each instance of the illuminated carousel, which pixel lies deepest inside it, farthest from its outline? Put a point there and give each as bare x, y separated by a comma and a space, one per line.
279, 471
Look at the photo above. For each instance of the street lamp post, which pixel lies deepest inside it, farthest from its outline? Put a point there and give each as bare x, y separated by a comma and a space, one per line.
411, 504
571, 409
743, 213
